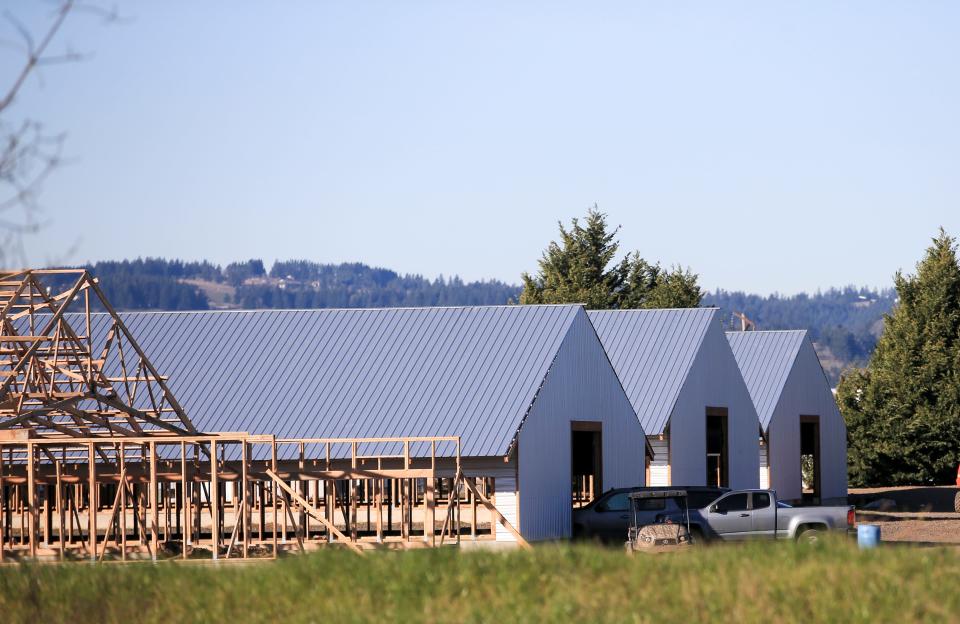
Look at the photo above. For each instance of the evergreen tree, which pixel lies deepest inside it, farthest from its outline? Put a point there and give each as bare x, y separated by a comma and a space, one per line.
577, 269
580, 268
903, 410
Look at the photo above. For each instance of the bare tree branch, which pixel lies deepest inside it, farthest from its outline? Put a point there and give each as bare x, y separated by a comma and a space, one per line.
34, 52
28, 154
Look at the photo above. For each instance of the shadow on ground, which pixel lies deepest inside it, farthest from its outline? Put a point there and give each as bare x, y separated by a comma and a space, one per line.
933, 499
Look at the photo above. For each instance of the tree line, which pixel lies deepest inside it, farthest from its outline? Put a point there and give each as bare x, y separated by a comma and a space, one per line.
161, 284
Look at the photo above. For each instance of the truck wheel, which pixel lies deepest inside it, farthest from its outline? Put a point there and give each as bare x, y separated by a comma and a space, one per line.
697, 536
956, 502
810, 536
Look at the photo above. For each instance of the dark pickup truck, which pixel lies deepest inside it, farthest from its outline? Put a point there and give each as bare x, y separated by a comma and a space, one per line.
608, 517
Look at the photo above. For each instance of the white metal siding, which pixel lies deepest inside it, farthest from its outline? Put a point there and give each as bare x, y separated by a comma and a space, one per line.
581, 385
714, 381
807, 393
505, 500
504, 488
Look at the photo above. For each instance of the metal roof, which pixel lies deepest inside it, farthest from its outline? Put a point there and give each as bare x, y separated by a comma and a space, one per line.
652, 352
765, 359
467, 371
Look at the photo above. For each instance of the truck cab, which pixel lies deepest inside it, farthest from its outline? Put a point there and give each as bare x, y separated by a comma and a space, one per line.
743, 515
757, 514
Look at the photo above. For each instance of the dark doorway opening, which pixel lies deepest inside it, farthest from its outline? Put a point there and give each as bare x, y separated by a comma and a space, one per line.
586, 461
718, 462
810, 458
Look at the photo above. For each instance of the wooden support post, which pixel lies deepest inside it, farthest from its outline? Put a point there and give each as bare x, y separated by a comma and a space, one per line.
273, 492
378, 503
283, 521
402, 490
186, 497
214, 501
456, 485
392, 487
92, 502
304, 524
122, 485
429, 500
262, 501
61, 524
3, 509
329, 505
70, 511
353, 494
154, 508
246, 500
473, 514
430, 511
31, 499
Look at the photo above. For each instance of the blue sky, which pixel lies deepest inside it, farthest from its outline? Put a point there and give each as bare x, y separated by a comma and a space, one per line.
769, 146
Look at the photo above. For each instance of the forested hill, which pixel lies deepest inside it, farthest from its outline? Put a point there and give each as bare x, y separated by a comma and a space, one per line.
157, 284
843, 323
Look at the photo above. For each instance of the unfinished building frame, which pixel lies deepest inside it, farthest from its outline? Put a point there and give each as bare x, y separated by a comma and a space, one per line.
98, 459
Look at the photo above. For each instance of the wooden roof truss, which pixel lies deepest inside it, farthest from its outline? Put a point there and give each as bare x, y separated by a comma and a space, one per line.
62, 377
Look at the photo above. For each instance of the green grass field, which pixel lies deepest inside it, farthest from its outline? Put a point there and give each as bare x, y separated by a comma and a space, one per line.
833, 582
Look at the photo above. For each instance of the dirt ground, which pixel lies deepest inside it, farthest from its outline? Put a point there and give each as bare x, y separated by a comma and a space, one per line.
911, 514
910, 498
924, 531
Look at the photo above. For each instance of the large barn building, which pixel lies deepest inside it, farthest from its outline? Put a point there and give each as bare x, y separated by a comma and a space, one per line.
684, 383
528, 389
803, 430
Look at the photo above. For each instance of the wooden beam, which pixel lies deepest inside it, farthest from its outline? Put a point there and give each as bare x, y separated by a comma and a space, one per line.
92, 499
113, 516
493, 509
310, 509
214, 501
154, 510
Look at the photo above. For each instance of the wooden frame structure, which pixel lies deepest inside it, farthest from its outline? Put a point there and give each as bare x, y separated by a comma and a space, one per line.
98, 459
82, 382
233, 495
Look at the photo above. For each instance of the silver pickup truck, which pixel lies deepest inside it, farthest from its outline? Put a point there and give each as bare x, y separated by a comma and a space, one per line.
752, 514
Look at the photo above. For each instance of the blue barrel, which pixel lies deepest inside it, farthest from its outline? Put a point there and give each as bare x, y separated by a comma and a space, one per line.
868, 535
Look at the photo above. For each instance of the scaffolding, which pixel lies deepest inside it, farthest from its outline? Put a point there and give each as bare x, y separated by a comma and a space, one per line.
99, 461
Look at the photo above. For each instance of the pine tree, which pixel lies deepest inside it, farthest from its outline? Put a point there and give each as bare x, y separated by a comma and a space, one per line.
576, 270
580, 268
903, 410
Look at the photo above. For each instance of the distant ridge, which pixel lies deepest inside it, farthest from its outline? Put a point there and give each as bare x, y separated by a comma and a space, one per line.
843, 323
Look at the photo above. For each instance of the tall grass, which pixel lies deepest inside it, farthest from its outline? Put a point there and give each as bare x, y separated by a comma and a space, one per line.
754, 583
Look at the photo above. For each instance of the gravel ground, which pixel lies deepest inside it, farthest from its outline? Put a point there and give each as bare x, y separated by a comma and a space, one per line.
912, 501
939, 531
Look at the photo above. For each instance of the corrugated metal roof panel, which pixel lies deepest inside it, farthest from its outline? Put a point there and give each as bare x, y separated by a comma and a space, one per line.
652, 352
765, 359
470, 371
